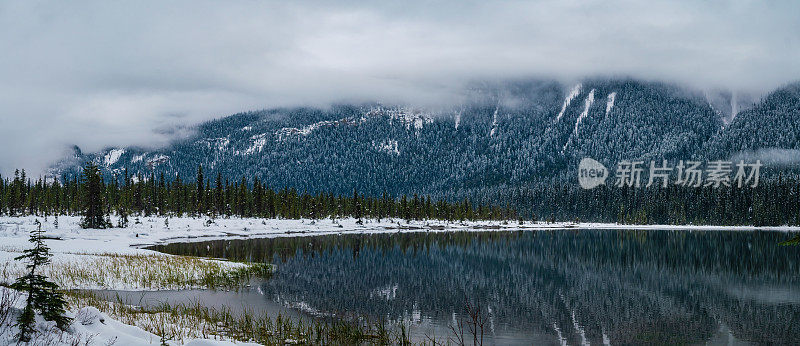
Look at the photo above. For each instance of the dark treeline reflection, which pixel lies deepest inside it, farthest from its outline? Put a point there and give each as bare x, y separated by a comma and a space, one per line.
622, 286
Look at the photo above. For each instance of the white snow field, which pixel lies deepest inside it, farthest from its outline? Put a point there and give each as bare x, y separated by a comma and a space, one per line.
113, 258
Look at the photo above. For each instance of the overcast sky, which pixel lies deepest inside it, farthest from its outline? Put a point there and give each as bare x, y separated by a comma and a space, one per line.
113, 73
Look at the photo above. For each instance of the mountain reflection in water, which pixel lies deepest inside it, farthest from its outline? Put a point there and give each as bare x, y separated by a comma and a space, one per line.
596, 286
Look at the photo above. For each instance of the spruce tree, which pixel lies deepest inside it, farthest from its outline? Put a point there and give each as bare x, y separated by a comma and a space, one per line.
124, 201
93, 207
43, 295
219, 200
200, 191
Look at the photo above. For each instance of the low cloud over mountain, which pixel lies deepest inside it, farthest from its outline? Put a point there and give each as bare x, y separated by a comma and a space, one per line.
102, 74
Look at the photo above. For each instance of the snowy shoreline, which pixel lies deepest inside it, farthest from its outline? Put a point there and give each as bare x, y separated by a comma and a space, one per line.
74, 247
69, 238
78, 249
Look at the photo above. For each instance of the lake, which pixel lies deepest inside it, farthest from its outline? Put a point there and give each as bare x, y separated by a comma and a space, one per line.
542, 287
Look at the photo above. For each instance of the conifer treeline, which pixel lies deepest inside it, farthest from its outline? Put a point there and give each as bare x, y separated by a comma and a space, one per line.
774, 202
157, 195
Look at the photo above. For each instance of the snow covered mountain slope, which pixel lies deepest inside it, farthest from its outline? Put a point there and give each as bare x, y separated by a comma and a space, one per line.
500, 136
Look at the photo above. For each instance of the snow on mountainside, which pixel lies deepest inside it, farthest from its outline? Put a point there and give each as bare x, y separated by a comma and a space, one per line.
500, 136
387, 146
258, 142
415, 119
576, 90
408, 117
157, 160
587, 103
494, 122
610, 102
289, 132
113, 156
215, 143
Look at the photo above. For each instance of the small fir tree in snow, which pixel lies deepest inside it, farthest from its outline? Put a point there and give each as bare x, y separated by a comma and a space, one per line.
43, 295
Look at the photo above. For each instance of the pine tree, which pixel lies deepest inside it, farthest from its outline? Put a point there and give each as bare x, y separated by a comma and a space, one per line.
219, 199
124, 201
200, 205
43, 295
94, 215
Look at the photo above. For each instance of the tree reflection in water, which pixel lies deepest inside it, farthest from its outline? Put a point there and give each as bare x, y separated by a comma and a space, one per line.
594, 285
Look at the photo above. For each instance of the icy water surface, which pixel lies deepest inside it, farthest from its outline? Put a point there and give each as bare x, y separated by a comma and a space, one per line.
541, 287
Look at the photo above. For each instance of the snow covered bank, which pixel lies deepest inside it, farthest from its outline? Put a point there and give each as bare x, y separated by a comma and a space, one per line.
71, 244
114, 258
155, 230
89, 327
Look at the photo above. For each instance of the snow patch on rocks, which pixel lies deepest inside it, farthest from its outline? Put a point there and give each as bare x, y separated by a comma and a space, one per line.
112, 156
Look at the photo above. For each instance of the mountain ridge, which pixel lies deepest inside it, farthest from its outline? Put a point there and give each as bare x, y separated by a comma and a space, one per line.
504, 136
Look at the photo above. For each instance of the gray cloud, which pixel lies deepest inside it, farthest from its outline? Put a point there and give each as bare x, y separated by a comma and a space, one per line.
99, 73
770, 156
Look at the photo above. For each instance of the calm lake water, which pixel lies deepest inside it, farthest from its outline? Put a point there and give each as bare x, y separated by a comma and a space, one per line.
542, 287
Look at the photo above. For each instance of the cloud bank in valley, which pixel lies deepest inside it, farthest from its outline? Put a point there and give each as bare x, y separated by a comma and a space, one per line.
770, 156
99, 73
